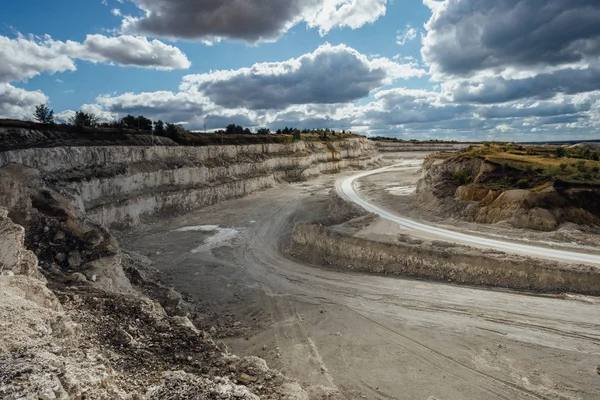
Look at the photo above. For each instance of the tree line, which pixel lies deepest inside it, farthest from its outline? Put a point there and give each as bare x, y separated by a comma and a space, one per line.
140, 123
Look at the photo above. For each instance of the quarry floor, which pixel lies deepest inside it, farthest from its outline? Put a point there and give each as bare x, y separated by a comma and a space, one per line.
360, 336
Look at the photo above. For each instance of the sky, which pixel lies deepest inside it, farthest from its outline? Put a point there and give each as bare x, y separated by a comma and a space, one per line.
522, 70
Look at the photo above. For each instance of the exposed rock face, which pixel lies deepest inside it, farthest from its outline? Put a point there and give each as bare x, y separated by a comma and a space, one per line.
14, 258
119, 186
65, 198
543, 209
397, 146
433, 261
99, 344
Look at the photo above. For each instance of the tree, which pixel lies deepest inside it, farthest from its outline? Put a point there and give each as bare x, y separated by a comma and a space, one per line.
172, 130
144, 124
560, 152
247, 132
130, 122
264, 131
43, 114
159, 128
233, 129
82, 119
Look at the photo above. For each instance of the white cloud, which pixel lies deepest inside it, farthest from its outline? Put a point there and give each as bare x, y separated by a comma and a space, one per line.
18, 103
127, 50
405, 36
23, 58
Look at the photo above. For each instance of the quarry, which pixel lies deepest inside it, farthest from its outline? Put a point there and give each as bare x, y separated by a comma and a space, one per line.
296, 269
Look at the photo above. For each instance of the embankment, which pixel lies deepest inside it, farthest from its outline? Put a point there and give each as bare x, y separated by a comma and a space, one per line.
481, 191
441, 262
396, 146
121, 185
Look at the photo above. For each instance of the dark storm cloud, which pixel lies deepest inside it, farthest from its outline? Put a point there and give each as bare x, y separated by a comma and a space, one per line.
249, 20
470, 35
542, 86
543, 110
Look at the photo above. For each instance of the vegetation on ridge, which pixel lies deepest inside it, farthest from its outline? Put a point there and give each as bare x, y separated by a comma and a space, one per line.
531, 167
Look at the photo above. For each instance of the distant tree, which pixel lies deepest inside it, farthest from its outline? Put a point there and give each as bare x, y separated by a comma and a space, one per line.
144, 124
129, 121
560, 152
172, 130
83, 119
264, 131
43, 114
233, 129
279, 132
247, 132
159, 128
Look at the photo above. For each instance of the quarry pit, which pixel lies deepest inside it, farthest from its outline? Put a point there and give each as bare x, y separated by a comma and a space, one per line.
251, 250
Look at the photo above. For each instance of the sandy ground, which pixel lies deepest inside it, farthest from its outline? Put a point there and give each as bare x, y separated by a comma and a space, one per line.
364, 336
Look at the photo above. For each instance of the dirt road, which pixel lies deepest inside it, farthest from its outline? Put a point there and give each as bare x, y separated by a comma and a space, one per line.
347, 189
358, 336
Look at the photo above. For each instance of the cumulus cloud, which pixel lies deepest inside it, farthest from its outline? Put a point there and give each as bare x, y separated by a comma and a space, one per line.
545, 85
18, 103
331, 74
467, 36
127, 50
25, 57
248, 20
101, 114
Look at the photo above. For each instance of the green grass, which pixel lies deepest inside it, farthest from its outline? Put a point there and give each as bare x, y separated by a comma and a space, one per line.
536, 167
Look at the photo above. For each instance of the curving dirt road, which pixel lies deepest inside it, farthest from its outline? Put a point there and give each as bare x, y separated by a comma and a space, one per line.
347, 189
358, 336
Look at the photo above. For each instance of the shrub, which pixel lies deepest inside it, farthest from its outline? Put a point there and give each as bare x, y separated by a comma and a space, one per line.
522, 183
462, 177
560, 152
563, 166
596, 169
581, 166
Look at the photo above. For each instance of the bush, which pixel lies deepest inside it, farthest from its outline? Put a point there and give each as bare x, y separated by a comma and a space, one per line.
563, 166
581, 166
596, 169
462, 177
522, 183
560, 152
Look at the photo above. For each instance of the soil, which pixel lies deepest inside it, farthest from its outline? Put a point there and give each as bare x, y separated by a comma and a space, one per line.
347, 335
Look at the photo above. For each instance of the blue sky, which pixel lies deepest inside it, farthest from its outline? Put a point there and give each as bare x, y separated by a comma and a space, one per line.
459, 69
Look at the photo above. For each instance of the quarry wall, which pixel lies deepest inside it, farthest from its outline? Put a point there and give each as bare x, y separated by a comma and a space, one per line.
117, 186
453, 264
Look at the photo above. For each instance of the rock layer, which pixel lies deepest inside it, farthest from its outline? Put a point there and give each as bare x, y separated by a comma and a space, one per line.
120, 185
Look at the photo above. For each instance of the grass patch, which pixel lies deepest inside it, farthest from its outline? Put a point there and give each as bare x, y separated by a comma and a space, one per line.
536, 167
